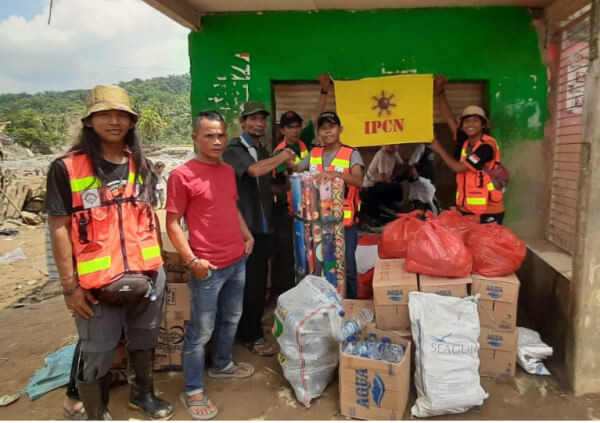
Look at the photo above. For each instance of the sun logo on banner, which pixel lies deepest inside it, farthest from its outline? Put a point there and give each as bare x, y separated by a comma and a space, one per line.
383, 104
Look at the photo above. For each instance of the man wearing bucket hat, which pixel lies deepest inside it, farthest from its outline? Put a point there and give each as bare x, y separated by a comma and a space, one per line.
105, 241
480, 177
253, 168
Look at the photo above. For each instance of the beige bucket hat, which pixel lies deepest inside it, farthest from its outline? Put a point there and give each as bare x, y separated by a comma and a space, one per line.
474, 111
108, 97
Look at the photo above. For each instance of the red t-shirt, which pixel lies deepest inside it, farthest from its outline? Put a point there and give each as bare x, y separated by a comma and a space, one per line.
206, 195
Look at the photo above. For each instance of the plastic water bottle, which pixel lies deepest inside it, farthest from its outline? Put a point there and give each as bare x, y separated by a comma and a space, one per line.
395, 353
373, 347
348, 347
361, 349
390, 352
357, 322
382, 348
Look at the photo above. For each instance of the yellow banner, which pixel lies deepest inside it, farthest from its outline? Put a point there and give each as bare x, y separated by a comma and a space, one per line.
386, 110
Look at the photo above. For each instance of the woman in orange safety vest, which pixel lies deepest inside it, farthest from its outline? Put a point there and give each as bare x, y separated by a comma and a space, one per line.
475, 192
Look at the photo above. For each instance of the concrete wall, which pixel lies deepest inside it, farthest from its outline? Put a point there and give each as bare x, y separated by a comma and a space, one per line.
237, 56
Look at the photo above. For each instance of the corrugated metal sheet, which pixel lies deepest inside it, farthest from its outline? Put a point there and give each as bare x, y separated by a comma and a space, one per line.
573, 64
301, 98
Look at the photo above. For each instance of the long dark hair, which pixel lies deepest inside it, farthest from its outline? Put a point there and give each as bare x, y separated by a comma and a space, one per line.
90, 143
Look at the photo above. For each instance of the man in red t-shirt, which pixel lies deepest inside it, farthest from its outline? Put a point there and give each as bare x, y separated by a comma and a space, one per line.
204, 192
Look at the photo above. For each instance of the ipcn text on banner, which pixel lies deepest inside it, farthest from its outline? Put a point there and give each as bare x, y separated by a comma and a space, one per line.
386, 110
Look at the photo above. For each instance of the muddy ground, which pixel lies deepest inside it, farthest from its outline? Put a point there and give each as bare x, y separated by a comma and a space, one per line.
41, 325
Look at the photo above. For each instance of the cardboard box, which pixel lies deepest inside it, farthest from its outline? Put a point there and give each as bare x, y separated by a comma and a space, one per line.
178, 299
167, 355
498, 340
497, 353
374, 390
354, 306
502, 288
176, 271
392, 317
392, 283
497, 315
453, 287
497, 363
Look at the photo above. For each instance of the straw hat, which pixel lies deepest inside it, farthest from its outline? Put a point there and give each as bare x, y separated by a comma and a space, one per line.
108, 97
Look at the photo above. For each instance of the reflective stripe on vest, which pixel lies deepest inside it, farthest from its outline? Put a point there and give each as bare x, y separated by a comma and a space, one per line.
151, 252
340, 163
81, 184
95, 265
109, 238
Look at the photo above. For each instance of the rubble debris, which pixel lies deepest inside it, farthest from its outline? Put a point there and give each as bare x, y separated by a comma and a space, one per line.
31, 218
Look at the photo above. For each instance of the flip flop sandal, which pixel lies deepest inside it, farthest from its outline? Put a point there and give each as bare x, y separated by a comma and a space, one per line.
230, 372
261, 347
8, 399
197, 403
74, 414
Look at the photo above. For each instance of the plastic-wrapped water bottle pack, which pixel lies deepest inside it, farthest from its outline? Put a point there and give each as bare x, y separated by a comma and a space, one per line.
373, 348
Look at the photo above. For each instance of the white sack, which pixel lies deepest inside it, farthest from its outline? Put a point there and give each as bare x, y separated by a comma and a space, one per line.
531, 350
446, 332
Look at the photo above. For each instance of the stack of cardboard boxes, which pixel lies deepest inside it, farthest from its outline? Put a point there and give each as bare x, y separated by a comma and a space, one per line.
176, 314
372, 389
177, 310
498, 318
391, 285
497, 308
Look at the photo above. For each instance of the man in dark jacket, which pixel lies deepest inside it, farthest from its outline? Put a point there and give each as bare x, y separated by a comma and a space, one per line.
253, 166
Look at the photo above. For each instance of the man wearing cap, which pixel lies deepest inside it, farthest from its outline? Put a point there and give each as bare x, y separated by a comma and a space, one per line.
106, 245
253, 168
336, 160
476, 156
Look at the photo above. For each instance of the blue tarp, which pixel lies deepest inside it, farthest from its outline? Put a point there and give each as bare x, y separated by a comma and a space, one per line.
55, 373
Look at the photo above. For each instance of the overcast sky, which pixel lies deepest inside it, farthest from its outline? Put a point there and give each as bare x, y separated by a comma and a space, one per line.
88, 42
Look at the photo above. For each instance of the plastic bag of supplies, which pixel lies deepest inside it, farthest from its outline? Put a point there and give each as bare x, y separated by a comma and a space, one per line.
531, 350
304, 320
437, 251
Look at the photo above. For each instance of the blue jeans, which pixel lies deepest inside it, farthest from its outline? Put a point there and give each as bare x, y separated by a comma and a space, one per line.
351, 239
216, 305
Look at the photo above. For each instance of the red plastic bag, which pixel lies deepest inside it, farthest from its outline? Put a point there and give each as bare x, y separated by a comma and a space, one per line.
396, 235
419, 214
496, 250
457, 222
364, 287
437, 251
369, 239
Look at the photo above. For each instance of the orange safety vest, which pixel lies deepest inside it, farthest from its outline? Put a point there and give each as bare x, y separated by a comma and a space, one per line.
475, 190
303, 154
340, 163
110, 236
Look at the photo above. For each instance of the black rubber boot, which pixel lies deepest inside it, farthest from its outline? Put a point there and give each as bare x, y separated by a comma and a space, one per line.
94, 396
142, 387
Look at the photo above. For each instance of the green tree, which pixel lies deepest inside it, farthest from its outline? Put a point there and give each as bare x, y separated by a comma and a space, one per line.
32, 130
151, 125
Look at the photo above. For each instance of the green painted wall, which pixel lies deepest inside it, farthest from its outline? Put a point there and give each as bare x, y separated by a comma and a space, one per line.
495, 44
